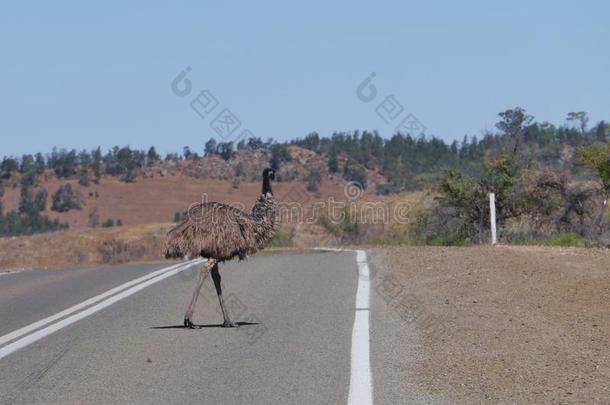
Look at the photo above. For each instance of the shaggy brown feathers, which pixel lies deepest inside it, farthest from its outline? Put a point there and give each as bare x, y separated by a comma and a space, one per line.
219, 231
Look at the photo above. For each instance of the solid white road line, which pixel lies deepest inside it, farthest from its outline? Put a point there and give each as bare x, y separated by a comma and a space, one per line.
361, 381
32, 327
360, 385
8, 273
136, 285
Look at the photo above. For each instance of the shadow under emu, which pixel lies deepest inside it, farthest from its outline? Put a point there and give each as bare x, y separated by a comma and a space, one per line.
195, 326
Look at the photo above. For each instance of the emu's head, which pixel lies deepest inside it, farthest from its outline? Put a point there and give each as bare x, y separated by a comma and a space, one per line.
269, 173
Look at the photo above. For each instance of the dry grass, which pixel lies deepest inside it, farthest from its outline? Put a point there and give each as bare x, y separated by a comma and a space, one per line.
156, 199
87, 247
138, 243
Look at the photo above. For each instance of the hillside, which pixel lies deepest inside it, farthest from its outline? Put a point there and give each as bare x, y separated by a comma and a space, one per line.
157, 199
170, 187
548, 180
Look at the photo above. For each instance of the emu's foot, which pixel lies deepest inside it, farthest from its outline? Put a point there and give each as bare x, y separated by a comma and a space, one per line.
189, 324
230, 324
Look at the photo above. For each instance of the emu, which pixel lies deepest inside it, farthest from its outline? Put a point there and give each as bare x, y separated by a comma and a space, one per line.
220, 232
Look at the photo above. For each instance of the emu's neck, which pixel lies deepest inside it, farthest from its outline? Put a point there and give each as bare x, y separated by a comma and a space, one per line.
266, 186
264, 209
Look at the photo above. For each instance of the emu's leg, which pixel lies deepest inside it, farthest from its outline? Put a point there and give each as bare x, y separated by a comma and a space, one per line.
216, 277
203, 274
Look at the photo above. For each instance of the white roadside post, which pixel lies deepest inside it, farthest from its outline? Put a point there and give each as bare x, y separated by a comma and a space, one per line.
492, 217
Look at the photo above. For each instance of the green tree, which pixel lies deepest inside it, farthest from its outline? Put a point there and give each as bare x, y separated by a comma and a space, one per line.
188, 154
597, 157
66, 163
83, 176
279, 155
39, 163
26, 200
313, 180
8, 166
513, 124
152, 156
581, 118
333, 160
27, 164
311, 142
40, 199
356, 173
28, 179
601, 131
178, 216
66, 198
84, 159
240, 170
468, 196
210, 147
225, 150
254, 143
127, 165
96, 165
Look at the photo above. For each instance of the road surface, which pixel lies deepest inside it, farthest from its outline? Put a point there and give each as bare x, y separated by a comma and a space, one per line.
295, 344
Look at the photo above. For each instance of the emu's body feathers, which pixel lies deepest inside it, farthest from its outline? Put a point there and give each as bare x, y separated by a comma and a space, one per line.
219, 231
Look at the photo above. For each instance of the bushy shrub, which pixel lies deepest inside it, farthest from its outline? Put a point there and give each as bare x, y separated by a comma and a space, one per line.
356, 173
313, 181
333, 161
283, 238
179, 216
279, 155
40, 199
114, 251
531, 204
66, 198
442, 226
83, 177
346, 229
29, 223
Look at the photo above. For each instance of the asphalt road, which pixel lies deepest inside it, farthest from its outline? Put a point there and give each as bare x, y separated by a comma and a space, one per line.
28, 296
294, 344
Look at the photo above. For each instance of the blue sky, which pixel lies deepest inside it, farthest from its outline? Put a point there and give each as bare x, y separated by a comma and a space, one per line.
78, 75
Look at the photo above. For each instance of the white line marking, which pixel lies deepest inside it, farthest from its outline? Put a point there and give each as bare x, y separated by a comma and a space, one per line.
361, 382
29, 328
8, 273
140, 283
360, 385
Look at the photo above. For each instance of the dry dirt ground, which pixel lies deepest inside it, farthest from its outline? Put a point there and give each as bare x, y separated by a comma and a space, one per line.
518, 324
